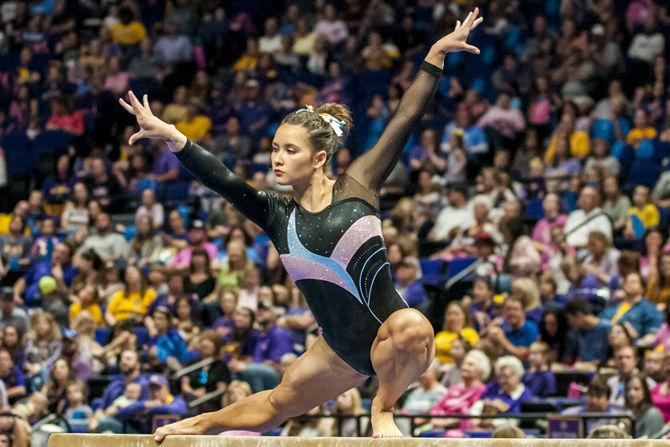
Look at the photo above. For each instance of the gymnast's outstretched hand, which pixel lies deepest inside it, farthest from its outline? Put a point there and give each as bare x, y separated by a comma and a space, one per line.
150, 125
456, 40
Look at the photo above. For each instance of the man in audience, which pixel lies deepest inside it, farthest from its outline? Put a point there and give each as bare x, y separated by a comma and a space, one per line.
597, 401
625, 361
588, 217
515, 333
107, 244
587, 340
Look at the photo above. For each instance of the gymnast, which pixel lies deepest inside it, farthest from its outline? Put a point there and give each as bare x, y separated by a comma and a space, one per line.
329, 239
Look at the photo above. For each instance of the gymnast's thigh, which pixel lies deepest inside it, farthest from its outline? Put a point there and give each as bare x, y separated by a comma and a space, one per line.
317, 376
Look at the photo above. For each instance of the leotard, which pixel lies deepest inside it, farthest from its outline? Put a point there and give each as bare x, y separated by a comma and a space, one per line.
335, 256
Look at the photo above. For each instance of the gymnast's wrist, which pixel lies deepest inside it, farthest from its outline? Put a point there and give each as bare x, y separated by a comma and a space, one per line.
436, 58
176, 141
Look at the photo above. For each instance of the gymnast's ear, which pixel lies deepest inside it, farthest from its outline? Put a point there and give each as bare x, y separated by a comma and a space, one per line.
320, 159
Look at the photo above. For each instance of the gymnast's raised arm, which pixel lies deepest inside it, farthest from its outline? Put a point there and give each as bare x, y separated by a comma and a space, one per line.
254, 204
372, 168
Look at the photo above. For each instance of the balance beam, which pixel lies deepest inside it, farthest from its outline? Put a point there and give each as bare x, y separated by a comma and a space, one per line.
82, 440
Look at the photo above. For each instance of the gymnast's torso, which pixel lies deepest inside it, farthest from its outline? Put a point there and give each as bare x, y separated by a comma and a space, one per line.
338, 261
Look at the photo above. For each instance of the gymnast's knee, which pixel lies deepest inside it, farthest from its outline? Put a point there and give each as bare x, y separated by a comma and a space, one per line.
411, 332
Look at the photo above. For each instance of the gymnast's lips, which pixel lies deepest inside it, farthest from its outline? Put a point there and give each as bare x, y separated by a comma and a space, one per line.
278, 173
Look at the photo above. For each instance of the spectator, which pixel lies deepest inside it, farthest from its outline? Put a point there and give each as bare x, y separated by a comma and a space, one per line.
457, 324
457, 216
597, 401
152, 208
427, 395
636, 312
648, 420
173, 47
408, 283
625, 360
587, 218
616, 204
587, 346
127, 31
642, 215
660, 394
460, 397
60, 268
514, 334
12, 377
330, 26
106, 244
42, 348
539, 378
505, 395
211, 377
167, 347
133, 301
197, 237
15, 246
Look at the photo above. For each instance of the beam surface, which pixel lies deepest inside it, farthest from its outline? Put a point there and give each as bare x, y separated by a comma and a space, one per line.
84, 440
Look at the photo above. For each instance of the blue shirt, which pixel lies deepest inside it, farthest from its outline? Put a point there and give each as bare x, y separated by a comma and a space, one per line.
524, 336
643, 316
588, 345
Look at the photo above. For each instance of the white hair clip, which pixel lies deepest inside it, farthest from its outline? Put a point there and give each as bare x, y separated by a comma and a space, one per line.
334, 123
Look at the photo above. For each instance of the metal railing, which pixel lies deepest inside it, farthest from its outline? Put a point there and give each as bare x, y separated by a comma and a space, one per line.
340, 418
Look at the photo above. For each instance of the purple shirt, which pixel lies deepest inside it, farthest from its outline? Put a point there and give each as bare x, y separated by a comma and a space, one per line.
272, 344
164, 162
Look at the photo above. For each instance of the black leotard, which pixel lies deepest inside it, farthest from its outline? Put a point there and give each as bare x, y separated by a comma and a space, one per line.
335, 256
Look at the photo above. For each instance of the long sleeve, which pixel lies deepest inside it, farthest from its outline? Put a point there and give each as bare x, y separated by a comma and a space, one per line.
255, 205
372, 168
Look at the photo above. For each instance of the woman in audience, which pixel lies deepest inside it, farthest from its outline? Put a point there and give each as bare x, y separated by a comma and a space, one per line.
147, 244
211, 377
55, 388
540, 379
42, 348
349, 404
460, 397
133, 301
648, 419
75, 213
89, 266
11, 341
660, 395
457, 324
658, 284
199, 281
503, 396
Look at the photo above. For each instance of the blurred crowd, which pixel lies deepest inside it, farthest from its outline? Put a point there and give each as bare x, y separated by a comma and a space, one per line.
528, 218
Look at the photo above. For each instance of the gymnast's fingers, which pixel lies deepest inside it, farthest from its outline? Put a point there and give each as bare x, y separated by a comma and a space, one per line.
145, 99
126, 106
135, 103
476, 23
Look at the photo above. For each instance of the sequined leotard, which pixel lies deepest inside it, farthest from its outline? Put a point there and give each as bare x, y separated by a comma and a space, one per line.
335, 256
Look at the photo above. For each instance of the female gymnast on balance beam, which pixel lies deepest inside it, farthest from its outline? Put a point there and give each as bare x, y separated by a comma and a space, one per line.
329, 239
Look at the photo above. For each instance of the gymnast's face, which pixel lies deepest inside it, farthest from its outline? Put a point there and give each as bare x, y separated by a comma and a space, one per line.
294, 160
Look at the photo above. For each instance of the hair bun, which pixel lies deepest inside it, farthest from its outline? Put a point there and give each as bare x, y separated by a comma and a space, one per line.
338, 111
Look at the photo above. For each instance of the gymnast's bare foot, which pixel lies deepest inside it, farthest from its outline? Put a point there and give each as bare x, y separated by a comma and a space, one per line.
188, 426
383, 425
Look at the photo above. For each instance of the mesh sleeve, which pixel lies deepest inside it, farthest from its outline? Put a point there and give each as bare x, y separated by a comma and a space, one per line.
258, 206
374, 166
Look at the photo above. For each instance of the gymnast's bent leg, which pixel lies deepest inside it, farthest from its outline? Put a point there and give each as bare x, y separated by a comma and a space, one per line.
402, 351
317, 376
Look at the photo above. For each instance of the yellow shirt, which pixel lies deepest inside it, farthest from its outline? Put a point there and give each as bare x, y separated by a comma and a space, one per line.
444, 339
123, 307
649, 214
129, 34
579, 146
245, 63
636, 135
93, 309
195, 128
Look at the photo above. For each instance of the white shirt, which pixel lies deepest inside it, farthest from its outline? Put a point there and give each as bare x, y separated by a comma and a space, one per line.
451, 218
580, 236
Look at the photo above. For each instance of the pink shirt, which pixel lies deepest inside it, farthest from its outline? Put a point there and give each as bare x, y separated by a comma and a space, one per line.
542, 230
458, 400
183, 258
661, 401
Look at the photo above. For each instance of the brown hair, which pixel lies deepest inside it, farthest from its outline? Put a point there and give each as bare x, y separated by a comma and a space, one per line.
321, 135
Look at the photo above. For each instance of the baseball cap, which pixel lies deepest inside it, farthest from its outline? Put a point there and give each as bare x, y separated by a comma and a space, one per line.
598, 29
157, 380
198, 224
47, 284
